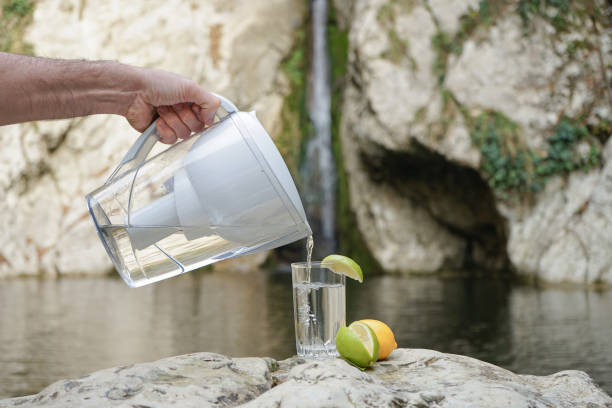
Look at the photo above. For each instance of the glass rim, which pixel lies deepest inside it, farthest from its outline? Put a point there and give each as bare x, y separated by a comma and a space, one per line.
314, 264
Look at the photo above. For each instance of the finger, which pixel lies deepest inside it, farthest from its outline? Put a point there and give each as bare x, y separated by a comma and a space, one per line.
207, 102
188, 117
165, 131
174, 122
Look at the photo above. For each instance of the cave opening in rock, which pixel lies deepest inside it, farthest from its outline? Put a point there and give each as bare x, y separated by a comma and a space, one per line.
454, 195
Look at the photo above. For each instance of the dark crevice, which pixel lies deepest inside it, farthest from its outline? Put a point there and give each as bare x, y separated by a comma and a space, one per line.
455, 196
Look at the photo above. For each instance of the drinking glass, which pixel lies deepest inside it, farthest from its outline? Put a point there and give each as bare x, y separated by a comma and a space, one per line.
319, 308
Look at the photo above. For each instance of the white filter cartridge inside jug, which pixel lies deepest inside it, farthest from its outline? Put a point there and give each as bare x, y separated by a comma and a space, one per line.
153, 222
225, 187
179, 211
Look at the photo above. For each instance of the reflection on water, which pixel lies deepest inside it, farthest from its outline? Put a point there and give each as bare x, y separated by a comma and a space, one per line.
54, 329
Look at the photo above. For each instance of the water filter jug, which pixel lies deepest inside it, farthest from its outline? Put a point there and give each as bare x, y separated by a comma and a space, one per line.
222, 193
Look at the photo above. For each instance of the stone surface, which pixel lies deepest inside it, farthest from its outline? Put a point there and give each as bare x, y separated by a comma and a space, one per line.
568, 233
192, 380
46, 168
408, 378
416, 182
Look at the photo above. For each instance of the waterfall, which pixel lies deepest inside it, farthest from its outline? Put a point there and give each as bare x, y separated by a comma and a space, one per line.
318, 169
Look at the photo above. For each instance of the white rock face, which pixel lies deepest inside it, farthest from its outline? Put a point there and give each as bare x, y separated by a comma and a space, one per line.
408, 378
568, 233
46, 168
415, 179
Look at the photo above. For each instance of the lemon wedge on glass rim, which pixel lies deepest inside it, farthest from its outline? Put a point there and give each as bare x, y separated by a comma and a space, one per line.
343, 265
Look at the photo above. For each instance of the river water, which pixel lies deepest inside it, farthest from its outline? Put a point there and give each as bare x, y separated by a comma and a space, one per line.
64, 328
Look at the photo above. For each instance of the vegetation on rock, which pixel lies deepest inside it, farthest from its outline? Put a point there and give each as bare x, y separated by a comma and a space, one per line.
512, 167
563, 15
399, 48
509, 166
15, 15
294, 115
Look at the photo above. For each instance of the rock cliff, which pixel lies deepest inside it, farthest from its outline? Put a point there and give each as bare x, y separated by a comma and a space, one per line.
408, 378
473, 135
477, 134
46, 168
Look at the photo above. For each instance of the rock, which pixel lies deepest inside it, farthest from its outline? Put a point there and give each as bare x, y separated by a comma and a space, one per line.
46, 168
408, 378
420, 77
192, 380
572, 221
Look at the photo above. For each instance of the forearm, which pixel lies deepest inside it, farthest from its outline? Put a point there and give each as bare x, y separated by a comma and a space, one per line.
39, 88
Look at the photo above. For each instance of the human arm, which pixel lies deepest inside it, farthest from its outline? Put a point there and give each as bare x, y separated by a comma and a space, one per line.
33, 88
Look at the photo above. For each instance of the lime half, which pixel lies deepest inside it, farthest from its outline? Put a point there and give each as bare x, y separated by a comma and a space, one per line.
358, 344
344, 265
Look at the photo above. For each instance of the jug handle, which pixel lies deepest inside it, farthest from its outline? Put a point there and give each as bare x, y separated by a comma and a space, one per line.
141, 148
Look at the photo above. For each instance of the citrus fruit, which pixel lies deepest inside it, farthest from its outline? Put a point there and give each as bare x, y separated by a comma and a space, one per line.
344, 265
357, 343
384, 335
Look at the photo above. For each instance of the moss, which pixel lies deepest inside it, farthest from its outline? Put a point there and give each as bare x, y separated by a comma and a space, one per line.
399, 49
511, 167
338, 52
441, 44
445, 44
386, 14
420, 115
602, 130
351, 241
16, 16
294, 115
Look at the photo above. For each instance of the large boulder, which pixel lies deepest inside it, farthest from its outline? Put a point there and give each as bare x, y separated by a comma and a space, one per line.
477, 134
408, 378
46, 168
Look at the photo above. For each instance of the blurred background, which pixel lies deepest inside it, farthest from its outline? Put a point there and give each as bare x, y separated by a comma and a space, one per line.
459, 151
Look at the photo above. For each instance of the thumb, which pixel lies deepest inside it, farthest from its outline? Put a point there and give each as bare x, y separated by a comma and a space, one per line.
140, 115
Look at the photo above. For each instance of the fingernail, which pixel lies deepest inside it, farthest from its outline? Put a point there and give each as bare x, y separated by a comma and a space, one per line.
196, 109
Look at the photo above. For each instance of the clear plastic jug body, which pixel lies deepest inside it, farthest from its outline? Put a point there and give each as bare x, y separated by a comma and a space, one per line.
222, 193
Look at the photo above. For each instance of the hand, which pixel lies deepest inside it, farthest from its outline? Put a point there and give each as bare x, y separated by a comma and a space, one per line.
183, 106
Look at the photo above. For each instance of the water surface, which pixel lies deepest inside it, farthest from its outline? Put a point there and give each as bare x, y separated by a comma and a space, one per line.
56, 329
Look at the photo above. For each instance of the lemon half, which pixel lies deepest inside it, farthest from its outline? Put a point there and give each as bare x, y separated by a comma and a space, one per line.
384, 335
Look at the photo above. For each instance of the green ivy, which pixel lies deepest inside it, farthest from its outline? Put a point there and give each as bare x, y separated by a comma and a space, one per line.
505, 164
508, 165
511, 167
14, 18
563, 15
